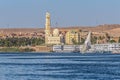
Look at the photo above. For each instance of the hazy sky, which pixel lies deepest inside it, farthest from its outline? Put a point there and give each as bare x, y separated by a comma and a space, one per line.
31, 13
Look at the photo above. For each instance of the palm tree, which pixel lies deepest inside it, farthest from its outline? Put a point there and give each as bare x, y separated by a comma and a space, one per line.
119, 40
107, 37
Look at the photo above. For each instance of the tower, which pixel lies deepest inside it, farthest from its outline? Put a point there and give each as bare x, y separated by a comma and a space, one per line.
47, 24
47, 27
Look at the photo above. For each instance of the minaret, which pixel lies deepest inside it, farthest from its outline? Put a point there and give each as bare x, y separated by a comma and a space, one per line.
47, 24
47, 27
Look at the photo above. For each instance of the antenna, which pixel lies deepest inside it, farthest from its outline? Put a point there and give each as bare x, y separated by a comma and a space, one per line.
56, 25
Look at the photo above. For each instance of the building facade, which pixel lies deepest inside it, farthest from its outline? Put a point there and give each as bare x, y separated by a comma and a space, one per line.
72, 37
51, 37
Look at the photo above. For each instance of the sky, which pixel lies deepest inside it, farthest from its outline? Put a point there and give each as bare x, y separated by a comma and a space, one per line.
64, 13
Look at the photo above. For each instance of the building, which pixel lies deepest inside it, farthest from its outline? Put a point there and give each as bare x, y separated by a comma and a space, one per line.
51, 37
71, 37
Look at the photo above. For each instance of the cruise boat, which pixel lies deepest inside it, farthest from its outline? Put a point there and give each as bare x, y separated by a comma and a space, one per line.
98, 48
66, 48
107, 48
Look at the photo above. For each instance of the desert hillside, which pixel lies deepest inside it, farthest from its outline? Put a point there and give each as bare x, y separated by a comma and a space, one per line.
22, 30
113, 28
114, 32
102, 27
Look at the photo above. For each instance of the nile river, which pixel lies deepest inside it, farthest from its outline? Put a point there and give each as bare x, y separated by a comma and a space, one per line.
52, 66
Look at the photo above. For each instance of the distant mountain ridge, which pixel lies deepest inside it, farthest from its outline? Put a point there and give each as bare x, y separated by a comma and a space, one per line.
99, 28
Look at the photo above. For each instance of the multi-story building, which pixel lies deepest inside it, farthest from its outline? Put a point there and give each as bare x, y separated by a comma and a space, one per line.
71, 36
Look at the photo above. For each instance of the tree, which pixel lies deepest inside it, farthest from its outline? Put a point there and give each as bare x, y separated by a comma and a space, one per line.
112, 41
108, 37
119, 40
93, 39
82, 41
74, 41
17, 42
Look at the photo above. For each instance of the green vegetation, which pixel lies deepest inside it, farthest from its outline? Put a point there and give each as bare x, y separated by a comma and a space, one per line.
7, 49
17, 42
82, 41
112, 41
15, 49
94, 40
119, 40
74, 42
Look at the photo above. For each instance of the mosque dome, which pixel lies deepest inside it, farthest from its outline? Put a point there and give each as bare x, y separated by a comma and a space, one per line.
55, 32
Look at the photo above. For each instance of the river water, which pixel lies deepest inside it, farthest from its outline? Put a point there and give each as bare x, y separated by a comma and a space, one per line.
61, 66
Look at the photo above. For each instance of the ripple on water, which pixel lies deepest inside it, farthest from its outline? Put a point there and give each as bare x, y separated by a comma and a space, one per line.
59, 66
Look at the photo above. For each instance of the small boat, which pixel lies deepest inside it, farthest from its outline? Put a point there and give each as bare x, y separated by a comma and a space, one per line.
87, 44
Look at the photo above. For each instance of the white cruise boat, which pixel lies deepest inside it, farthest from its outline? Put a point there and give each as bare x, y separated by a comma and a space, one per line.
107, 48
66, 48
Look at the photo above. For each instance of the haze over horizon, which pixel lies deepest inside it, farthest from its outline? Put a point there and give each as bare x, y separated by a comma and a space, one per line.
31, 13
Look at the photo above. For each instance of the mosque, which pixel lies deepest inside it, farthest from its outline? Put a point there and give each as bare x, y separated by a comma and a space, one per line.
52, 37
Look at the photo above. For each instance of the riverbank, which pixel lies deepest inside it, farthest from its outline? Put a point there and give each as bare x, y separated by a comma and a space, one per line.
27, 49
16, 49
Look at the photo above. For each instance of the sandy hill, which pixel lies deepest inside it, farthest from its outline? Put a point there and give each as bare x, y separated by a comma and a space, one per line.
106, 28
24, 30
102, 27
114, 32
